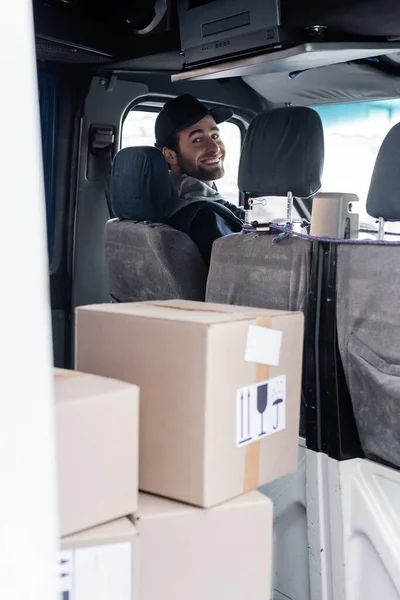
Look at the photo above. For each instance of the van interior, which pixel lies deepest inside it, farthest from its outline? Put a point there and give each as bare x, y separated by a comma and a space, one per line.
104, 73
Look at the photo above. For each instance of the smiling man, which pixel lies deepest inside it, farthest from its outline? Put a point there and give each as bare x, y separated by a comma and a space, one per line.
187, 134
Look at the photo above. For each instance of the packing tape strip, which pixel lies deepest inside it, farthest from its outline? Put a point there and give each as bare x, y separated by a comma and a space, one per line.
252, 454
197, 309
67, 374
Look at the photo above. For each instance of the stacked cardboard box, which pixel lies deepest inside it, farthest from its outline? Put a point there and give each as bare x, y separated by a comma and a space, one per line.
100, 563
219, 416
97, 445
97, 463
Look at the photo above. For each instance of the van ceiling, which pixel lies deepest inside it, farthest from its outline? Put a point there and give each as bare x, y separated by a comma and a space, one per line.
327, 85
84, 32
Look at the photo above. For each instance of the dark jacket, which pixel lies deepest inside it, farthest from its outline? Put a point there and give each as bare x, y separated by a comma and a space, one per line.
202, 213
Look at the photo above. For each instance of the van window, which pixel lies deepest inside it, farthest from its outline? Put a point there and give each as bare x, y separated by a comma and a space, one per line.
138, 130
353, 135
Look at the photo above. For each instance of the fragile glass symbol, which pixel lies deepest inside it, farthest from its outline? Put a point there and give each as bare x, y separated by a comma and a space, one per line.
262, 402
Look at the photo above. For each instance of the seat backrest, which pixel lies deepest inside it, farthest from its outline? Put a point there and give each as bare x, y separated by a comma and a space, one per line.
368, 303
283, 152
250, 270
147, 259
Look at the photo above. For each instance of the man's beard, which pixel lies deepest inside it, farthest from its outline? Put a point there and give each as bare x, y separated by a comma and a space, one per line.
199, 173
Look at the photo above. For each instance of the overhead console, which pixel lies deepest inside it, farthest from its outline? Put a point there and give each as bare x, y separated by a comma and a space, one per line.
230, 38
211, 30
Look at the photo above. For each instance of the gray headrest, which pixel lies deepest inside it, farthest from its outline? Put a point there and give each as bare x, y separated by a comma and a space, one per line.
383, 196
283, 152
140, 189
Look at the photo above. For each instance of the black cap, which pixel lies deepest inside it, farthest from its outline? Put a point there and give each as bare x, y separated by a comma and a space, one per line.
184, 111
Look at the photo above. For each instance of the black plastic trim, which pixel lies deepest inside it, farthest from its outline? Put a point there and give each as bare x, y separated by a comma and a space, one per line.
339, 433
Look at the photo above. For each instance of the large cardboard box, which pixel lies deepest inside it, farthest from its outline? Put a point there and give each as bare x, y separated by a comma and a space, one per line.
221, 552
208, 432
100, 563
97, 438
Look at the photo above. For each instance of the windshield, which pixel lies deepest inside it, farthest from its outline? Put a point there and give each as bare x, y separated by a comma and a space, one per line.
353, 135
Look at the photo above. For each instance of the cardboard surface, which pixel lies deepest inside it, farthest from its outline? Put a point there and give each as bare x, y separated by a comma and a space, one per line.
188, 359
97, 449
222, 552
100, 563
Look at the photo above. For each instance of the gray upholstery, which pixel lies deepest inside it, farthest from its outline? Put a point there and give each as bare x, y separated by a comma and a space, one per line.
283, 151
152, 261
250, 270
368, 304
368, 301
147, 259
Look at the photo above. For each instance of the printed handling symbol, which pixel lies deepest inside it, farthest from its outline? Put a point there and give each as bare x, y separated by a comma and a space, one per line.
248, 414
277, 403
245, 436
262, 402
65, 566
241, 416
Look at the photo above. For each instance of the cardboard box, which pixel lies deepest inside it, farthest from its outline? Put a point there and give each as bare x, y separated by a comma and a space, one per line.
173, 551
222, 552
100, 563
97, 421
201, 414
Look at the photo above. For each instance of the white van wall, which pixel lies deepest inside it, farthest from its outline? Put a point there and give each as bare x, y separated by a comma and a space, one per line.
336, 530
28, 515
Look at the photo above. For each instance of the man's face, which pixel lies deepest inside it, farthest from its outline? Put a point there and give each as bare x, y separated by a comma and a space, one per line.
201, 152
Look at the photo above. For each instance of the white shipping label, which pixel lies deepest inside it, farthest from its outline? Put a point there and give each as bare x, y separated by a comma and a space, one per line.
97, 573
260, 410
263, 345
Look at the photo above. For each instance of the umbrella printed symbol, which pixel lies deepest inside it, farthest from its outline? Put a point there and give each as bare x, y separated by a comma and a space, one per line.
277, 403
